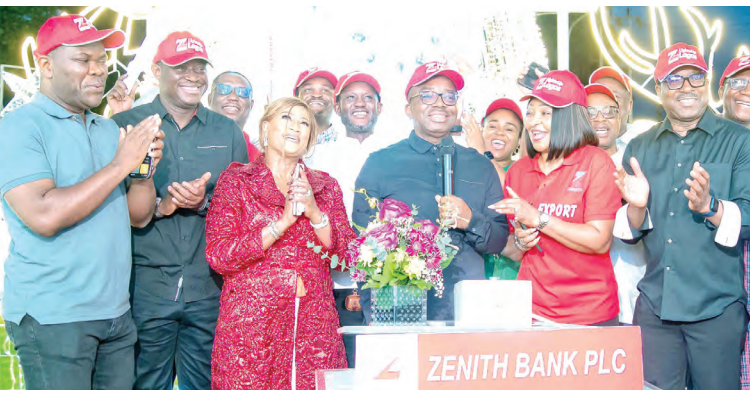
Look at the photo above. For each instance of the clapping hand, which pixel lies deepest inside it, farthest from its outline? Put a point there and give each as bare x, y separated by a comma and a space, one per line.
634, 188
699, 194
189, 194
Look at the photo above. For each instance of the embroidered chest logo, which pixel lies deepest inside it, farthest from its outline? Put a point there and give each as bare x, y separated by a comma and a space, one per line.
576, 185
682, 53
550, 84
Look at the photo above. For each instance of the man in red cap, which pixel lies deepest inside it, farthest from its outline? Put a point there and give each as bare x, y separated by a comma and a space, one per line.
69, 205
315, 87
412, 171
628, 260
175, 294
357, 102
687, 184
736, 107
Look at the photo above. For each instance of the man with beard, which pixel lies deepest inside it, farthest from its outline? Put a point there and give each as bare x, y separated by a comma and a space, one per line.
687, 184
232, 96
412, 171
315, 87
69, 204
736, 99
357, 102
628, 260
175, 295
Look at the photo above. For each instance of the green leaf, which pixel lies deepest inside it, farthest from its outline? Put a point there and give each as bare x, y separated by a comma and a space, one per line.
335, 259
359, 228
325, 255
393, 283
421, 284
388, 266
333, 264
317, 248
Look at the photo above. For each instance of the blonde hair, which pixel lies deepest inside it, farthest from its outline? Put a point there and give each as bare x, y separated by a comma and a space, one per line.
283, 105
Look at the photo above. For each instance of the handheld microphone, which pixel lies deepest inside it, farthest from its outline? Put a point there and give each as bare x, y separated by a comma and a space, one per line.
447, 148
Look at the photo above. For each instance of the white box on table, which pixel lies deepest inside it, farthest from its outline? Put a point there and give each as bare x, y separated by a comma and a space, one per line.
493, 303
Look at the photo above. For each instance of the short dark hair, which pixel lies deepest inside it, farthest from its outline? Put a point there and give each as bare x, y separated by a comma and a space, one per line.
571, 130
250, 85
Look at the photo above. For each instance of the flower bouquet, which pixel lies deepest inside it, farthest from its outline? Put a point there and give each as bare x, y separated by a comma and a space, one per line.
400, 259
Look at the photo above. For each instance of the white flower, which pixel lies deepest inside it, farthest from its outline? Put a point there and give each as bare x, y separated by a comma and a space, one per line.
366, 255
400, 255
415, 267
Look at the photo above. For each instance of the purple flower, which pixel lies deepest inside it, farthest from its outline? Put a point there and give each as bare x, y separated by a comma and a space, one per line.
386, 235
358, 275
352, 251
428, 228
392, 209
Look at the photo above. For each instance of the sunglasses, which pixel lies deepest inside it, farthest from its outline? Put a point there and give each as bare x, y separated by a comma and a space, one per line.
675, 82
242, 92
608, 112
430, 97
737, 83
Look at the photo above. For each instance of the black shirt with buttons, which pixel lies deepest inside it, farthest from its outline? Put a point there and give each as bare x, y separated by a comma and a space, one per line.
412, 171
689, 277
174, 247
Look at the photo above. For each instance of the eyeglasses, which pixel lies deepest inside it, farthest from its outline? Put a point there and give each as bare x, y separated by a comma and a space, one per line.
430, 97
608, 112
675, 82
737, 83
242, 92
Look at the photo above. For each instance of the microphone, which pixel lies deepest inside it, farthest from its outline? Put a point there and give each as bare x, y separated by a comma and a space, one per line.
447, 148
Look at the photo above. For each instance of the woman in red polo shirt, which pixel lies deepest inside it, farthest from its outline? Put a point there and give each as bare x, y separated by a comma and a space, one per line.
563, 194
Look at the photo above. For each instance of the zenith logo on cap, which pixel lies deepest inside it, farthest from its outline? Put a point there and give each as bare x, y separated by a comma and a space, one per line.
550, 84
82, 24
744, 61
184, 44
434, 67
682, 53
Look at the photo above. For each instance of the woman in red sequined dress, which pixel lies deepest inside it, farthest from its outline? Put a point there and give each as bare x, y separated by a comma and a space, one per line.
260, 248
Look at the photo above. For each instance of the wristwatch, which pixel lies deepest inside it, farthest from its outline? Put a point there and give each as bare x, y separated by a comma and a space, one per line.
714, 208
543, 221
156, 211
322, 224
489, 155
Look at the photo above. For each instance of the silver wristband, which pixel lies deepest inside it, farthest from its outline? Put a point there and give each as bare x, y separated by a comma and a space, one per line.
156, 210
322, 224
274, 231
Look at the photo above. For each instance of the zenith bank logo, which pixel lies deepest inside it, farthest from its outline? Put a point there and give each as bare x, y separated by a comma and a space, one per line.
83, 24
390, 372
744, 61
183, 44
576, 185
682, 53
550, 84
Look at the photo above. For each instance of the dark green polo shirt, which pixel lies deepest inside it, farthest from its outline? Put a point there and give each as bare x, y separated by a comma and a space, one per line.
689, 277
173, 247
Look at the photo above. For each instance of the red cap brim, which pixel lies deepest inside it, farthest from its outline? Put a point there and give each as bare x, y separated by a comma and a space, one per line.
454, 76
318, 74
174, 61
358, 77
111, 38
552, 101
609, 72
671, 70
599, 88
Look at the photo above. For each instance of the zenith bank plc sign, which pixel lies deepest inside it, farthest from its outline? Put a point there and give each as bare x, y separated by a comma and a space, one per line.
585, 358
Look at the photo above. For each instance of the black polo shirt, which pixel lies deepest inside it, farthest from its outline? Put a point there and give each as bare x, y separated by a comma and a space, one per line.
173, 247
689, 277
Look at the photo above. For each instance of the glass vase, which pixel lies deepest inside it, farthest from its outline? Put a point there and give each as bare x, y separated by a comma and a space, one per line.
399, 306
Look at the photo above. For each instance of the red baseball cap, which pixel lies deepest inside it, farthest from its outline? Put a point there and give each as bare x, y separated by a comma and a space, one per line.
180, 47
609, 72
676, 56
558, 88
504, 103
430, 70
736, 65
599, 88
356, 76
74, 30
314, 72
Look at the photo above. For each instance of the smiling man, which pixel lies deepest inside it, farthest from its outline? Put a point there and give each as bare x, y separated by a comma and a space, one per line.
687, 184
232, 96
315, 87
175, 295
735, 95
412, 171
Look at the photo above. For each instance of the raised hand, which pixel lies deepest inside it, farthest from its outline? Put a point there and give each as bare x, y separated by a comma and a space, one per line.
189, 195
119, 99
699, 194
522, 211
135, 142
301, 191
473, 133
634, 188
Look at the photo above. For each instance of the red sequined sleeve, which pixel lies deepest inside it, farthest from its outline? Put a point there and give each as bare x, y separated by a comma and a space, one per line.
341, 229
233, 229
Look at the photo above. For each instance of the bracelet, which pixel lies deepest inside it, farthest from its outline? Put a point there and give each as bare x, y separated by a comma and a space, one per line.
518, 244
156, 210
322, 224
274, 231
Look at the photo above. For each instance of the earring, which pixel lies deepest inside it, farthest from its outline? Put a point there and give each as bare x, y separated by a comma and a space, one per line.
518, 149
265, 141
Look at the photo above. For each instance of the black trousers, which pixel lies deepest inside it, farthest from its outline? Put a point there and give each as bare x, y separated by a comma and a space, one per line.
702, 355
174, 339
75, 356
348, 318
